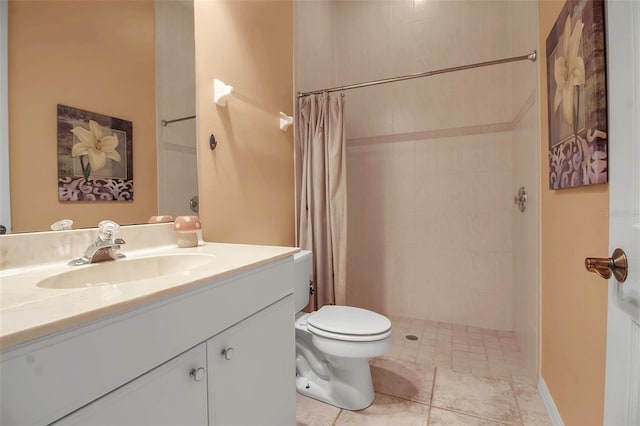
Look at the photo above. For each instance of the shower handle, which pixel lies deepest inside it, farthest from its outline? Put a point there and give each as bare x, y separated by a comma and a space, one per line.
521, 199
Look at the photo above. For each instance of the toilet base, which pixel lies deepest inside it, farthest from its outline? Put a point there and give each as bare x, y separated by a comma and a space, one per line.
349, 385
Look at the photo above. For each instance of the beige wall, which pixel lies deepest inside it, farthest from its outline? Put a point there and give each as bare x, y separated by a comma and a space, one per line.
60, 54
246, 184
574, 302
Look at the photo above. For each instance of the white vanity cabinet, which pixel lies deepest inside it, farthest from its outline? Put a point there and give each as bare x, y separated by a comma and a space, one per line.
244, 368
134, 366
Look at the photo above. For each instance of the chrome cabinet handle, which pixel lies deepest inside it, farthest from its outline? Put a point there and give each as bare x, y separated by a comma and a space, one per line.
197, 373
227, 353
606, 266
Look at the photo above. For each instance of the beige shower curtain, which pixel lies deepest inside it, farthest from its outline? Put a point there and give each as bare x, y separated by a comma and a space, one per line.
321, 194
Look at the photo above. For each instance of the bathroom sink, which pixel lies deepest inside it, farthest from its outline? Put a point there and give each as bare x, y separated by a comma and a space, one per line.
125, 270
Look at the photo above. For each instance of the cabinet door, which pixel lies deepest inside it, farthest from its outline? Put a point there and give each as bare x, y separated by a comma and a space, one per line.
252, 370
167, 395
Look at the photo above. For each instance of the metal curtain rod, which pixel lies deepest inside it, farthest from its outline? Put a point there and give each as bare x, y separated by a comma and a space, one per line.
531, 57
165, 122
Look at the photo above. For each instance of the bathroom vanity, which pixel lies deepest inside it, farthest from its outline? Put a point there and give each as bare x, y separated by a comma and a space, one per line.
209, 344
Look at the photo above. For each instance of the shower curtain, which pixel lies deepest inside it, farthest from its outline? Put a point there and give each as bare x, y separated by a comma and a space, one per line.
321, 194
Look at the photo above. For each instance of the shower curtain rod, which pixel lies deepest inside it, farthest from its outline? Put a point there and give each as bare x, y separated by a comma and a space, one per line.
164, 123
531, 57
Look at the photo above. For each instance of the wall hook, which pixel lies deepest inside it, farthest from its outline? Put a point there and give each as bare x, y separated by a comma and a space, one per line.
212, 142
285, 121
221, 91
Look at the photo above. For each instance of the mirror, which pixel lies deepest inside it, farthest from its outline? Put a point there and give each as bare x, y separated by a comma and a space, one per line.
132, 60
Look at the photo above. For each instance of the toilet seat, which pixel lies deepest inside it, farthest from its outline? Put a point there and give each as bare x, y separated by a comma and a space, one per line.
349, 324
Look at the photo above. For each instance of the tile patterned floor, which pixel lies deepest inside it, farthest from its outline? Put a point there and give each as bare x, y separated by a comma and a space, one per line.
451, 375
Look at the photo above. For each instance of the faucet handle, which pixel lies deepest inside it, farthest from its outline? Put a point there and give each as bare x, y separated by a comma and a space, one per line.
107, 229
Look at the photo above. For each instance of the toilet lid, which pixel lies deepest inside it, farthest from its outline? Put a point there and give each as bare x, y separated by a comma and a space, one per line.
347, 320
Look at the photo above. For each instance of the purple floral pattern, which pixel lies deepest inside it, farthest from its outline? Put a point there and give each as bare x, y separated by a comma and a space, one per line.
577, 163
79, 189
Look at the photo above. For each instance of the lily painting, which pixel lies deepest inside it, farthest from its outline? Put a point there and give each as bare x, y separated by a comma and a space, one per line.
95, 160
576, 87
95, 146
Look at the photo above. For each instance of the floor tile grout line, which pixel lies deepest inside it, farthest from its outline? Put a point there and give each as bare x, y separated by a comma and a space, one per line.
402, 398
337, 416
500, 379
433, 389
515, 398
475, 416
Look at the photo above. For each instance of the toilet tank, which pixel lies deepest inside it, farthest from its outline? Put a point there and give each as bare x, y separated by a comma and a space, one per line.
302, 275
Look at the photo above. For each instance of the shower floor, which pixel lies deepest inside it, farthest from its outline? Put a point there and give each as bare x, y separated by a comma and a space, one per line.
450, 375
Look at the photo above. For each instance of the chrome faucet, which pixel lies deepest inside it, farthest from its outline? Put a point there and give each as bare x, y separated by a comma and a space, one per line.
104, 248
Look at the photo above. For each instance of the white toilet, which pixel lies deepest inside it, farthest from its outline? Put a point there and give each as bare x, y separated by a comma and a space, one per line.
334, 346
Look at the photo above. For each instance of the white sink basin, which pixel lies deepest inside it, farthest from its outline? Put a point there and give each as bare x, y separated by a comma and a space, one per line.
125, 270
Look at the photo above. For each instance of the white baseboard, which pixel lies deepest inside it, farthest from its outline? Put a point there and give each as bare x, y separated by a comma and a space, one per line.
552, 410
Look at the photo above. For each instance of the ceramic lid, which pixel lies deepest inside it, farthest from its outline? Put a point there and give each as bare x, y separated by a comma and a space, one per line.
349, 320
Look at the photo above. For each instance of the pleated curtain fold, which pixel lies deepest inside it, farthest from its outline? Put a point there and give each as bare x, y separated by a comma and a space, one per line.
321, 194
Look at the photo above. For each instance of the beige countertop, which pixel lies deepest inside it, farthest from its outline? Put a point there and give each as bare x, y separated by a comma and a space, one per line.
28, 312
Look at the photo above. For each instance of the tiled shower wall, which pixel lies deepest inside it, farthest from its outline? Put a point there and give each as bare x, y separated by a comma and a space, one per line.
431, 169
381, 39
430, 229
429, 160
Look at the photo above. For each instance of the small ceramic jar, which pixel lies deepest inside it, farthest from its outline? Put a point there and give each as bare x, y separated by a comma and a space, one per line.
160, 219
186, 228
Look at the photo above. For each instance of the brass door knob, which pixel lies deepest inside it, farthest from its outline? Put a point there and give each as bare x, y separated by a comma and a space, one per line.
606, 266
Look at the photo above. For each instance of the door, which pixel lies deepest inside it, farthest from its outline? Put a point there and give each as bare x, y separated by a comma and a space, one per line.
251, 370
622, 387
174, 393
5, 199
176, 99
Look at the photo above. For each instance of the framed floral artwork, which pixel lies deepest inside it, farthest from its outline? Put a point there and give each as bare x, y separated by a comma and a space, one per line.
95, 156
576, 87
